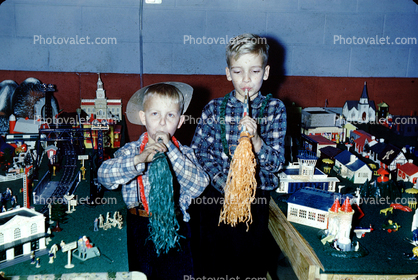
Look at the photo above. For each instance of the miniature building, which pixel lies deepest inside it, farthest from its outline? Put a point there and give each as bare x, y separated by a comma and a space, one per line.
360, 139
373, 149
102, 108
362, 111
304, 174
21, 232
408, 172
51, 152
317, 117
347, 165
326, 122
315, 142
382, 110
391, 157
329, 152
310, 207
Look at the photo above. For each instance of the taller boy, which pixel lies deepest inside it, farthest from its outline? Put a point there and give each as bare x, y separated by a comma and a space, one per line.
224, 250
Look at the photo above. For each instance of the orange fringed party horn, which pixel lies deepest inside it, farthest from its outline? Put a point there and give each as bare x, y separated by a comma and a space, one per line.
241, 183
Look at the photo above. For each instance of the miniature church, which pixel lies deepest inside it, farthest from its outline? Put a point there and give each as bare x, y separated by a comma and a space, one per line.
362, 111
102, 108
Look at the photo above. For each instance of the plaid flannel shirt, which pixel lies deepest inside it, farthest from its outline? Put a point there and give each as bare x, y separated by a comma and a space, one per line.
207, 141
121, 170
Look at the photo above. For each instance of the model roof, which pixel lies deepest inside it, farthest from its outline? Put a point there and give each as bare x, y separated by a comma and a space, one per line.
388, 154
330, 151
314, 198
409, 168
24, 212
320, 139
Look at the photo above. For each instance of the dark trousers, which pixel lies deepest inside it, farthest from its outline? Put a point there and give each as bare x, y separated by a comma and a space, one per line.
174, 265
226, 251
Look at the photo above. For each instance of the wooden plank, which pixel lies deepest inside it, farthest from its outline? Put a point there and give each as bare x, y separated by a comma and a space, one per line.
302, 257
366, 277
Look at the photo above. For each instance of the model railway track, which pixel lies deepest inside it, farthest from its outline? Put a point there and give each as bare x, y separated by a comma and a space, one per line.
69, 171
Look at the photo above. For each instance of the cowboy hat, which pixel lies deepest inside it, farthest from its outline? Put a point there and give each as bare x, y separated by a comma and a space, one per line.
135, 104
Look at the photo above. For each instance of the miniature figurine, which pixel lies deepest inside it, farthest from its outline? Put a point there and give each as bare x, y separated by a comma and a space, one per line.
83, 172
116, 221
101, 221
85, 249
87, 242
32, 257
96, 228
53, 253
48, 239
13, 201
51, 257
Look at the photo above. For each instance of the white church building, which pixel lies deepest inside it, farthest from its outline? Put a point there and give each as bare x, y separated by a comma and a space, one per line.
362, 111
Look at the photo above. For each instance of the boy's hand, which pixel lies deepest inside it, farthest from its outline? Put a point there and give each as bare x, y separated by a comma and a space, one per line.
164, 137
149, 152
251, 127
151, 149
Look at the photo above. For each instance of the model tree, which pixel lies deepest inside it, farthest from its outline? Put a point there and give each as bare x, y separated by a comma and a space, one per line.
58, 214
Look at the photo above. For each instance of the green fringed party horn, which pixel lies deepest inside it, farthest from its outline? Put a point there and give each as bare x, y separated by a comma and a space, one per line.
163, 224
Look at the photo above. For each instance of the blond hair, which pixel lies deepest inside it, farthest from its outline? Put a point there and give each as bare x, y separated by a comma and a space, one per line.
247, 43
164, 90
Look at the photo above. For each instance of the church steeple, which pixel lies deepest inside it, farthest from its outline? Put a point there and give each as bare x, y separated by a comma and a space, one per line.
364, 99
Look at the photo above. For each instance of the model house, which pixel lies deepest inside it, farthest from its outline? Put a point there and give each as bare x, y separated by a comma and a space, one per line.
329, 152
360, 139
391, 157
22, 231
314, 143
347, 165
327, 122
408, 172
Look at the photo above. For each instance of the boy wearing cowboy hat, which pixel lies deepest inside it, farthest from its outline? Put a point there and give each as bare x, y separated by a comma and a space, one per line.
160, 108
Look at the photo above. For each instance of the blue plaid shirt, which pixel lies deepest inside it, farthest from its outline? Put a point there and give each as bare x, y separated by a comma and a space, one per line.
207, 141
121, 170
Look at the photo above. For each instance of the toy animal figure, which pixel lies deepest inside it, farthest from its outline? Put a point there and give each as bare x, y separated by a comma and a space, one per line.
29, 100
386, 210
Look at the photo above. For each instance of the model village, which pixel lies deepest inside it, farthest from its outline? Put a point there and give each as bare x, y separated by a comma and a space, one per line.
352, 175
